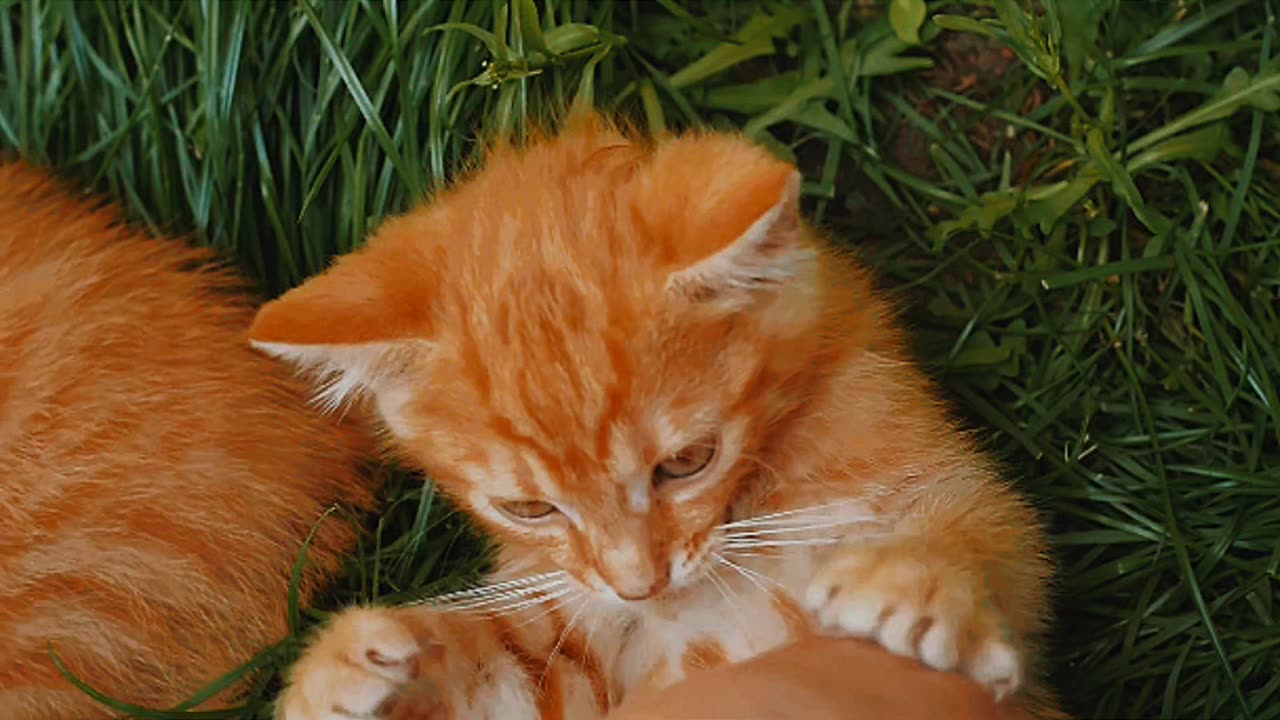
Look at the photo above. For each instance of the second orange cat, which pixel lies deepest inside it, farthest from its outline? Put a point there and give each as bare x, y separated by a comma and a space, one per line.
158, 479
689, 422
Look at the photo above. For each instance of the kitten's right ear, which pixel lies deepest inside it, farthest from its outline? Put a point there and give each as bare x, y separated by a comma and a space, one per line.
723, 218
357, 326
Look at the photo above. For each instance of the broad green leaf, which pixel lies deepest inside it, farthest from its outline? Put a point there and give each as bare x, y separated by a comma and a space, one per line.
1081, 23
479, 33
1121, 182
990, 209
1203, 145
754, 97
801, 95
1047, 205
906, 17
814, 115
530, 26
569, 37
652, 108
883, 56
753, 40
585, 97
1239, 91
502, 16
1238, 81
942, 306
980, 351
959, 23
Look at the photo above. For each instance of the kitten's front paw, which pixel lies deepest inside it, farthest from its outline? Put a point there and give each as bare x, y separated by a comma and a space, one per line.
368, 663
917, 607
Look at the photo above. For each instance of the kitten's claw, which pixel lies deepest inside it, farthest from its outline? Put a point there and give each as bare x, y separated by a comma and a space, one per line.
916, 608
366, 664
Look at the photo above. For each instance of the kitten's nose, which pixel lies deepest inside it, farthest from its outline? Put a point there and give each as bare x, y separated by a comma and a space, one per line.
633, 594
630, 567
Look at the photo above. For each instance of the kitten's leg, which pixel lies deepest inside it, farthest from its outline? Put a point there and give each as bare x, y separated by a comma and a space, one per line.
959, 583
414, 663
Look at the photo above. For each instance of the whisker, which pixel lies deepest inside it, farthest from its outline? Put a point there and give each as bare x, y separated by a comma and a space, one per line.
776, 517
726, 591
721, 582
515, 593
499, 586
745, 554
513, 607
783, 518
716, 583
780, 528
586, 643
760, 575
741, 571
745, 543
498, 600
560, 641
561, 602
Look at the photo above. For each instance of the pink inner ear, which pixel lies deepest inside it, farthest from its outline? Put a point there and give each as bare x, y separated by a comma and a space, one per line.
765, 255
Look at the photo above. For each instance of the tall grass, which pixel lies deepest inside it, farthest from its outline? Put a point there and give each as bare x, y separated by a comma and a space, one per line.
1077, 200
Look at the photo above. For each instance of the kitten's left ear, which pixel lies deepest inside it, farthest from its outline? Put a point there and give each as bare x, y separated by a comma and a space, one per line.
358, 326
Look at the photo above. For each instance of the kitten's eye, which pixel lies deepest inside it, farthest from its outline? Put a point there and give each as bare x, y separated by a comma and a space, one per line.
686, 463
528, 509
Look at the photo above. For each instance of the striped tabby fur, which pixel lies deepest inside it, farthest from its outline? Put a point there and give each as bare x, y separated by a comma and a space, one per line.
157, 477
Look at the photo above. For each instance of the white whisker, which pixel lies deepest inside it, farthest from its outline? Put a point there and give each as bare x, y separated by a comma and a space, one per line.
500, 586
514, 607
749, 544
591, 631
499, 597
786, 515
760, 575
726, 591
517, 595
780, 529
561, 602
742, 571
745, 554
560, 641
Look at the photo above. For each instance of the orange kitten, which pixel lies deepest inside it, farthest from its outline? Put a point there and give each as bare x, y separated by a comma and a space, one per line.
157, 477
687, 419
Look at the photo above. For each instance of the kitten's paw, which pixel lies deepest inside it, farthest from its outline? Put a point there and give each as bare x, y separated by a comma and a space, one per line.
918, 608
368, 663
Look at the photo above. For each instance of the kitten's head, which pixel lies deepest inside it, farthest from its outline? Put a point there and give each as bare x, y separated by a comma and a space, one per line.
585, 344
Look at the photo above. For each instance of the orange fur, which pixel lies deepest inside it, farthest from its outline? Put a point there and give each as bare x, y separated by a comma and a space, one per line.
586, 309
157, 478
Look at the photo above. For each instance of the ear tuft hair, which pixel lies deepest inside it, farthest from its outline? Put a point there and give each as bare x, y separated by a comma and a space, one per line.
344, 374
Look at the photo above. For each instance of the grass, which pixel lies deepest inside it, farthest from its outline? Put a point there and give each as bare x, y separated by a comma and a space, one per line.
1078, 202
